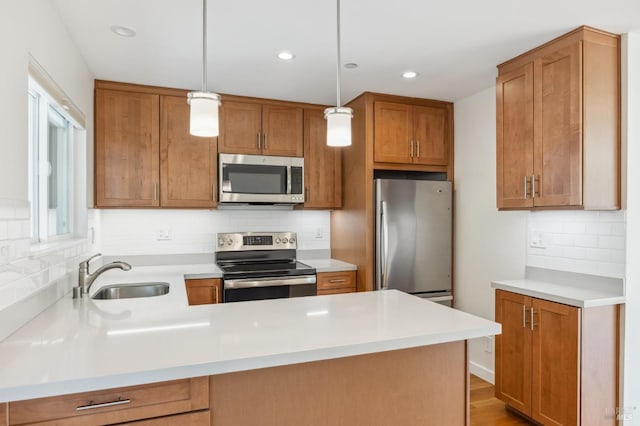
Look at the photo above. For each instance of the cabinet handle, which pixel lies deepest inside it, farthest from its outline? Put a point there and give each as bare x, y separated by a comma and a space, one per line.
217, 300
411, 148
418, 149
213, 191
91, 405
155, 191
259, 140
535, 178
524, 316
531, 322
526, 187
337, 280
264, 135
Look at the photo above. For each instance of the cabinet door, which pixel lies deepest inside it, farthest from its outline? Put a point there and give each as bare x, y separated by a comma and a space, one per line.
126, 149
198, 418
514, 138
430, 136
282, 130
240, 127
556, 364
392, 133
558, 133
187, 163
204, 291
322, 164
513, 351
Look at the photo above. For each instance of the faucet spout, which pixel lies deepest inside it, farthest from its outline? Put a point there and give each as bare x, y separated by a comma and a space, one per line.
86, 279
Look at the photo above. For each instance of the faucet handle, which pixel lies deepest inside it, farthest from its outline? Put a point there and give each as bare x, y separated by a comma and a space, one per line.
86, 262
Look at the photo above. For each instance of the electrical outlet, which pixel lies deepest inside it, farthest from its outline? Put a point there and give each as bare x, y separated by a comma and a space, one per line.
164, 234
535, 239
319, 234
488, 344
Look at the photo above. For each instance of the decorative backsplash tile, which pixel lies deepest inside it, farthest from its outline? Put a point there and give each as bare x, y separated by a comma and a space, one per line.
589, 242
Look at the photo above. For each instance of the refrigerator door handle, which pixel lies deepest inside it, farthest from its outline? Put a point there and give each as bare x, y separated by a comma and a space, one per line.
384, 244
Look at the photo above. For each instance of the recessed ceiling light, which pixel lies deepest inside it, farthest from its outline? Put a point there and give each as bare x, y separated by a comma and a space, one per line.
123, 31
409, 74
351, 65
286, 56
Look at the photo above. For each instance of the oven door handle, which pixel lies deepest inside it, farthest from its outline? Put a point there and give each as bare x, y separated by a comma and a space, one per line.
269, 282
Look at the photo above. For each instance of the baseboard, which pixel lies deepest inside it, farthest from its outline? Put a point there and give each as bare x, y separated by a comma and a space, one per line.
481, 371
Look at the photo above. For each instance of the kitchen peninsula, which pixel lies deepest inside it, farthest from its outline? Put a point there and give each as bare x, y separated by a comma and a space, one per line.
361, 358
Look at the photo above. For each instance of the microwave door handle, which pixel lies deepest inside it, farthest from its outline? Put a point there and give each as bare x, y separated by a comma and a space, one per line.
289, 179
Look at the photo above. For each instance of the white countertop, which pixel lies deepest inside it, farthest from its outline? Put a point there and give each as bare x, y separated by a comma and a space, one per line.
329, 265
83, 345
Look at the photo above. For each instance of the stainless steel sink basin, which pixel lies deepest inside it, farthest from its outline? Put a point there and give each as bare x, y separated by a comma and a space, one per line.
131, 290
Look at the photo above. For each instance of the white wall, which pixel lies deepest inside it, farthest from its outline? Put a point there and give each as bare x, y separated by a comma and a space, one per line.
631, 134
489, 245
133, 232
29, 281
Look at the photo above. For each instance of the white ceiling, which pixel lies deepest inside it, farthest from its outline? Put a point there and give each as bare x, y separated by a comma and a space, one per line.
455, 45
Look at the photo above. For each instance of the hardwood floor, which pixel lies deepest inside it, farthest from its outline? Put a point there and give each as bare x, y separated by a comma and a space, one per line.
487, 410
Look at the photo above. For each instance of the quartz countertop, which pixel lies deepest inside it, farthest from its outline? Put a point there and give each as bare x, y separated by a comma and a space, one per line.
580, 290
83, 345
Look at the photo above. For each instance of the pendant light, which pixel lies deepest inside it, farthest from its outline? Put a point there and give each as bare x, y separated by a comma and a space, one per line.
338, 117
204, 105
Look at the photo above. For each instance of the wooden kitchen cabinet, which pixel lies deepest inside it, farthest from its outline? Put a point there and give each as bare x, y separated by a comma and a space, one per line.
411, 134
150, 402
322, 164
558, 124
188, 164
204, 291
145, 156
336, 282
126, 149
260, 128
557, 363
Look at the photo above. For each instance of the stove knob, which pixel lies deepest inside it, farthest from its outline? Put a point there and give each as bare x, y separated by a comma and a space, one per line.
220, 242
292, 240
277, 240
229, 241
284, 240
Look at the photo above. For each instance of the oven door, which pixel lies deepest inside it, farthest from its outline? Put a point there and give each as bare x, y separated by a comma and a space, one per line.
243, 289
261, 179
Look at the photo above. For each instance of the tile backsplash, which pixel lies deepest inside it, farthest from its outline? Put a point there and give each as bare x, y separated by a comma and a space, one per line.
588, 242
31, 278
136, 232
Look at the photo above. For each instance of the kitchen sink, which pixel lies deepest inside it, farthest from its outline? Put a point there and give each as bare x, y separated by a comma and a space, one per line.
131, 290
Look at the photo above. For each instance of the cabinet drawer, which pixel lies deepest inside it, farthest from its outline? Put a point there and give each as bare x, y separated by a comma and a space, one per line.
337, 291
133, 403
200, 418
336, 280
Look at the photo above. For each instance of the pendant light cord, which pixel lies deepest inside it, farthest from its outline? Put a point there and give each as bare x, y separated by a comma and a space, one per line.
204, 45
339, 104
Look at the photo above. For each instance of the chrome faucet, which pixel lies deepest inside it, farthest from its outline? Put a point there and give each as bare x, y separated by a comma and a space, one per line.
86, 279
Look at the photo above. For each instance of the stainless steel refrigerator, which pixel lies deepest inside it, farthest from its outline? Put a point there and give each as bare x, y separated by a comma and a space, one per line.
413, 237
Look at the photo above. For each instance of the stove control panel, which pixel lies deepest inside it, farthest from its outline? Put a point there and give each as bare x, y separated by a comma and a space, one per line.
244, 241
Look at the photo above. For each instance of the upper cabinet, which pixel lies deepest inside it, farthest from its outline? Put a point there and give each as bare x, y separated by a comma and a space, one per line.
322, 164
558, 124
126, 149
260, 128
144, 154
406, 133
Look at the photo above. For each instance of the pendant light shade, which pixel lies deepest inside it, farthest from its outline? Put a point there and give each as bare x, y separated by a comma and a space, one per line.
338, 117
203, 120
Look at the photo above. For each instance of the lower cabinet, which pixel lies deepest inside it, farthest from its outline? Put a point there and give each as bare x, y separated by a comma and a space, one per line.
555, 363
184, 402
204, 291
336, 282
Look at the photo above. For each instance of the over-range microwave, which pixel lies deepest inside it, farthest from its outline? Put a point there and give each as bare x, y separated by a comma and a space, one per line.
261, 179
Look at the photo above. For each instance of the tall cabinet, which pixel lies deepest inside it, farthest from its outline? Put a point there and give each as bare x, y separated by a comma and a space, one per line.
389, 133
558, 124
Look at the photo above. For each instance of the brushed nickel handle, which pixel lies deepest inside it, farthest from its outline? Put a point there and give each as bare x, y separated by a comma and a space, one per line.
259, 140
264, 135
411, 149
535, 178
91, 405
155, 191
418, 148
337, 280
526, 187
217, 300
524, 316
532, 314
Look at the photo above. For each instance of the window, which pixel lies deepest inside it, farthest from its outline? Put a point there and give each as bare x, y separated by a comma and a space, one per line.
50, 167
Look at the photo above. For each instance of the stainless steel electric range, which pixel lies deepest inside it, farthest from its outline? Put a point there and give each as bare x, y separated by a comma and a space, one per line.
262, 265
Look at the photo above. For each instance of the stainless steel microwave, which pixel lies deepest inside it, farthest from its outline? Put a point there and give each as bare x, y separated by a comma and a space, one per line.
261, 179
